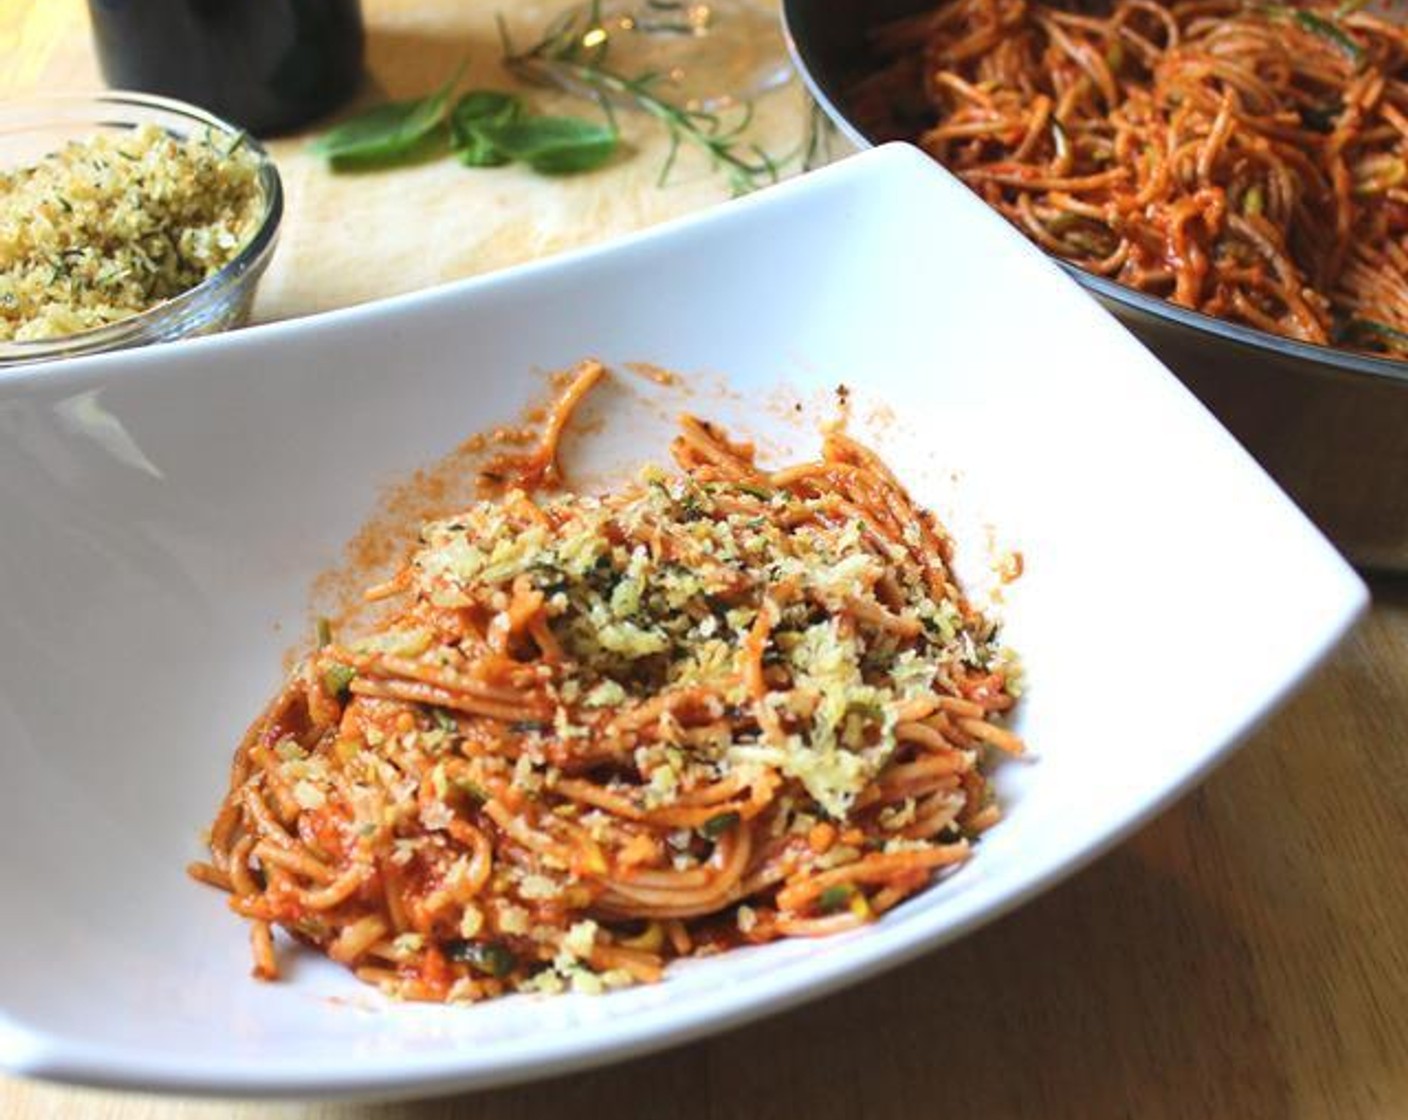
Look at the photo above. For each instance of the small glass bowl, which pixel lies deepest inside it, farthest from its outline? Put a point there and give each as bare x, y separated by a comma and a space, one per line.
30, 130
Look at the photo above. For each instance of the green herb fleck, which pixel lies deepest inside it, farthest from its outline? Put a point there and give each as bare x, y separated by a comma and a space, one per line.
444, 720
1332, 33
1321, 118
337, 678
490, 958
715, 827
1361, 331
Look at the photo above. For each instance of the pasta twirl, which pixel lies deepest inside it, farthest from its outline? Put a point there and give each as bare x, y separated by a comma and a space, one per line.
718, 706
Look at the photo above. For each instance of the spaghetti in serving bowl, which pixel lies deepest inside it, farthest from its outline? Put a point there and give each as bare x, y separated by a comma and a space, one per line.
710, 708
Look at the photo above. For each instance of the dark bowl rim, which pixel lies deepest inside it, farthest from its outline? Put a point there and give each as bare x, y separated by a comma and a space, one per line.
127, 330
1330, 359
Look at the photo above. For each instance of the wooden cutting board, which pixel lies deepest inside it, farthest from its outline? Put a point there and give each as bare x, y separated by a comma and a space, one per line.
349, 238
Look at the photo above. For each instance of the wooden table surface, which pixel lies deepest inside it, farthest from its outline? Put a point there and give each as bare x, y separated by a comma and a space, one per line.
1246, 955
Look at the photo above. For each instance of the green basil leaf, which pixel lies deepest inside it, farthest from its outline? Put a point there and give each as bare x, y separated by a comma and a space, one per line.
477, 151
472, 113
371, 133
387, 132
480, 107
554, 145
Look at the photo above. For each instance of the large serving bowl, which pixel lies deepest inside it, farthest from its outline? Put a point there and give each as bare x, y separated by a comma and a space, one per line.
1330, 425
166, 510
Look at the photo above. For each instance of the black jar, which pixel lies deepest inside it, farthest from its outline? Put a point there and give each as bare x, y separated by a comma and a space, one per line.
266, 65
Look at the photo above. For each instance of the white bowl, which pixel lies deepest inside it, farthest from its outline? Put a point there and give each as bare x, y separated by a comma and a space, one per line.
164, 512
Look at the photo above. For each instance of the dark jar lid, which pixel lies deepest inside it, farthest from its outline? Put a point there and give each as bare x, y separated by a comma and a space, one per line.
266, 65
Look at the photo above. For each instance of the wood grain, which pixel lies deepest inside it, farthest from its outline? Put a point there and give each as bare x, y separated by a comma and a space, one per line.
355, 237
1245, 956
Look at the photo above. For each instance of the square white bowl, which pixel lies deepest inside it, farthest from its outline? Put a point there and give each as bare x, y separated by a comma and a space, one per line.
164, 511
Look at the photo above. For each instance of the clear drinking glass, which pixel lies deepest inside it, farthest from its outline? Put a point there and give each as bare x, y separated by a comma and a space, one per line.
708, 54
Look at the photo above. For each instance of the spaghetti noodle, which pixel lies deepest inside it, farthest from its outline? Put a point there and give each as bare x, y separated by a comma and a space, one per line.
1246, 160
716, 707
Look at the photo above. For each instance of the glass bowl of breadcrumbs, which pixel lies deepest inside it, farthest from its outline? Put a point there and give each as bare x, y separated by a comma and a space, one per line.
127, 219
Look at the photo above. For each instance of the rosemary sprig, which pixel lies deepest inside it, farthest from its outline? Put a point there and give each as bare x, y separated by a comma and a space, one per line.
573, 54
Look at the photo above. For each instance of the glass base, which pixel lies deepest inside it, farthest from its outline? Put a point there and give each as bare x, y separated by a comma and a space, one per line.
708, 55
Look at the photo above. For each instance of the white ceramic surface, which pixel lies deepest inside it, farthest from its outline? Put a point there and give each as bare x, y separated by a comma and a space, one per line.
162, 513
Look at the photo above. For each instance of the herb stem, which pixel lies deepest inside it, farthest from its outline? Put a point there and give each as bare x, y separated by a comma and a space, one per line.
683, 124
569, 58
